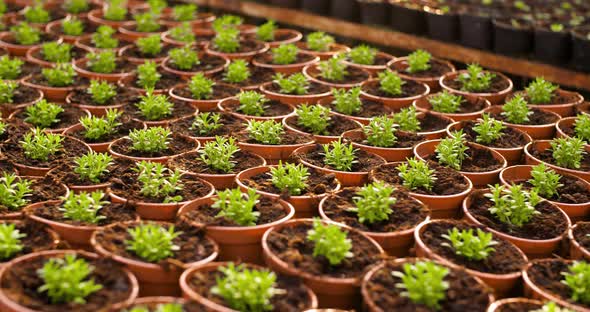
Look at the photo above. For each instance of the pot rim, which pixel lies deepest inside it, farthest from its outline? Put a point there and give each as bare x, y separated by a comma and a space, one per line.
391, 65
480, 94
303, 150
502, 149
419, 105
577, 245
386, 99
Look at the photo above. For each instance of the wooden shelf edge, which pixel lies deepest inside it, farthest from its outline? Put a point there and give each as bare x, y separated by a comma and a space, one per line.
404, 41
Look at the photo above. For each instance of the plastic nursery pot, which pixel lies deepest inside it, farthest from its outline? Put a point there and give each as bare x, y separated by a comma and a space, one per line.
14, 49
332, 292
189, 293
95, 110
287, 68
335, 48
502, 284
57, 94
423, 105
425, 149
577, 251
563, 110
96, 17
83, 71
292, 99
533, 248
305, 206
201, 105
387, 153
312, 72
6, 109
563, 124
496, 98
513, 155
542, 145
392, 102
32, 171
247, 56
8, 305
519, 174
161, 159
237, 243
373, 69
536, 132
187, 75
154, 279
273, 153
320, 139
503, 304
227, 104
441, 206
400, 65
128, 32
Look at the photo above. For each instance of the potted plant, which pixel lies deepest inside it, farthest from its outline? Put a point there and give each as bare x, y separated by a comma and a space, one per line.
52, 53
475, 81
441, 188
88, 173
203, 93
147, 76
103, 66
237, 221
22, 237
144, 25
301, 186
187, 13
16, 96
228, 44
114, 14
274, 36
547, 96
21, 38
349, 104
393, 91
232, 21
144, 49
336, 74
332, 258
186, 63
158, 110
454, 106
575, 127
70, 28
318, 121
180, 35
420, 66
15, 68
294, 89
566, 156
205, 126
579, 237
104, 38
101, 96
38, 14
162, 303
254, 105
521, 304
285, 58
244, 76
56, 82
21, 192
322, 45
425, 124
49, 116
367, 58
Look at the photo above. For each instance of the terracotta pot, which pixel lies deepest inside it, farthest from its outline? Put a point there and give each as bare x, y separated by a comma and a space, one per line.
425, 149
563, 110
373, 69
273, 153
345, 178
441, 206
423, 105
128, 32
312, 72
32, 171
502, 284
237, 243
154, 279
127, 82
96, 17
562, 124
95, 110
226, 105
536, 132
138, 60
388, 153
292, 99
392, 102
537, 248
513, 155
189, 293
496, 98
162, 159
400, 64
200, 105
30, 56
288, 68
57, 94
335, 48
80, 68
188, 75
518, 174
542, 145
85, 43
6, 109
14, 49
577, 251
499, 305
320, 139
238, 55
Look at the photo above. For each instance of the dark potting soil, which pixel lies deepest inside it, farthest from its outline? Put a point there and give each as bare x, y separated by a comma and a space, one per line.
127, 124
556, 98
547, 274
246, 46
27, 69
318, 183
37, 237
20, 284
498, 84
124, 96
113, 213
581, 234
272, 108
79, 82
518, 307
207, 62
538, 117
186, 307
448, 181
365, 161
573, 190
294, 299
409, 89
380, 60
230, 125
510, 138
75, 54
470, 105
70, 148
180, 109
369, 109
464, 292
288, 138
548, 224
191, 162
267, 58
505, 258
270, 211
21, 95
290, 244
178, 145
478, 160
167, 81
314, 88
258, 76
407, 212
69, 117
15, 128
135, 52
219, 92
547, 156
431, 122
437, 69
404, 139
355, 75
43, 189
6, 166
336, 125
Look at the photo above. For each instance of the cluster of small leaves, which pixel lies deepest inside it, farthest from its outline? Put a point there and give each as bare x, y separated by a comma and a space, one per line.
97, 128
252, 103
152, 242
61, 75
247, 290
290, 177
319, 41
184, 58
237, 72
115, 10
103, 38
13, 191
43, 114
545, 181
25, 34
146, 22
294, 84
56, 52
418, 61
424, 283
265, 132
3, 127
39, 145
7, 88
339, 155
578, 281
347, 102
266, 31
156, 6
155, 106
445, 102
65, 280
148, 75
390, 83
104, 62
380, 132
363, 55
76, 6
150, 45
516, 110
227, 40
219, 154
72, 26
582, 127
540, 91
150, 140
101, 91
227, 21
407, 119
183, 33
285, 54
552, 307
464, 243
158, 181
373, 202
206, 122
475, 79
513, 205
164, 307
36, 14
10, 241
416, 174
201, 87
84, 207
92, 166
10, 68
333, 69
315, 118
237, 206
451, 151
568, 152
488, 130
330, 242
184, 12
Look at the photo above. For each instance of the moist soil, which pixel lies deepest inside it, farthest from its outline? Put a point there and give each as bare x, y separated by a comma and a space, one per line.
448, 181
246, 45
365, 161
180, 109
510, 138
272, 108
556, 98
464, 292
469, 105
505, 258
22, 95
294, 299
369, 109
230, 125
166, 81
207, 62
258, 76
79, 82
547, 156
270, 210
69, 117
37, 237
75, 53
267, 58
27, 69
404, 139
498, 84
431, 122
437, 69
124, 96
572, 191
287, 138
380, 60
20, 284
220, 91
336, 125
355, 75
70, 148
581, 233
191, 162
317, 184
548, 224
314, 88
178, 145
409, 89
538, 117
548, 275
135, 52
290, 244
122, 66
43, 189
127, 125
407, 212
518, 307
113, 213
477, 160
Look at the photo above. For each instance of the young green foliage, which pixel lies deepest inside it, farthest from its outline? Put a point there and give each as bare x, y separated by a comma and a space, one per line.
3, 127
218, 155
206, 122
407, 119
36, 14
157, 181
552, 307
84, 207
284, 54
201, 87
101, 91
39, 145
10, 241
43, 114
290, 177
184, 58
451, 151
66, 280
7, 89
330, 242
93, 166
314, 118
568, 152
373, 202
183, 33
475, 79
62, 75
390, 83
156, 6
25, 34
319, 41
150, 45
76, 6
148, 75
424, 283
103, 38
266, 31
155, 106
10, 68
340, 156
540, 91
150, 140
237, 206
184, 12
227, 21
465, 244
72, 26
115, 10
416, 174
582, 127
296, 84
513, 205
227, 40
363, 55
56, 52
252, 103
545, 181
267, 132
104, 62
445, 102
13, 191
237, 72
152, 242
380, 132
418, 61
347, 102
97, 128
516, 110
578, 281
333, 69
488, 130
146, 22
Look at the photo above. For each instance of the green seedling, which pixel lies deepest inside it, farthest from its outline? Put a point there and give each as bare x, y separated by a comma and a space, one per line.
475, 79
10, 241
10, 68
419, 61
93, 166
237, 72
314, 118
206, 122
43, 114
155, 106
252, 103
150, 45
150, 140
184, 58
14, 191
39, 145
296, 84
545, 181
103, 38
380, 132
416, 174
488, 130
284, 54
473, 247
333, 69
101, 91
201, 87
266, 31
218, 155
340, 156
347, 102
56, 52
290, 177
445, 102
158, 181
541, 91
424, 283
319, 41
237, 206
407, 119
513, 205
102, 62
373, 202
391, 83
152, 242
330, 242
267, 132
148, 75
363, 55
62, 75
25, 34
578, 281
568, 152
84, 207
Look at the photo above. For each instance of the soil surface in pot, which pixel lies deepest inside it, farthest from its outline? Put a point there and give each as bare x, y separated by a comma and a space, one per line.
127, 125
573, 190
407, 212
470, 106
178, 145
75, 53
518, 307
180, 109
313, 88
270, 210
464, 291
135, 52
290, 244
570, 130
70, 148
246, 45
267, 58
219, 92
547, 156
317, 183
404, 139
186, 307
20, 284
6, 166
122, 66
556, 98
581, 234
167, 81
431, 122
207, 62
294, 299
229, 126
37, 238
43, 189
549, 223
21, 95
498, 84
548, 276
124, 96
89, 43
477, 160
538, 117
355, 75
336, 125
380, 60
409, 89
65, 174
27, 69
192, 162
448, 181
365, 161
69, 117
258, 76
288, 138
368, 109
437, 69
503, 260
510, 138
112, 212
272, 108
